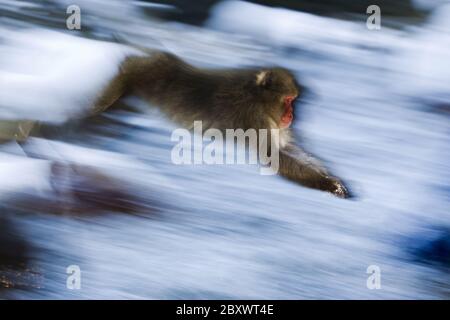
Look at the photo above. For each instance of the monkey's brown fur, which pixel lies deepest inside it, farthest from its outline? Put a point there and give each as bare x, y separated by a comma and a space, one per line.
222, 99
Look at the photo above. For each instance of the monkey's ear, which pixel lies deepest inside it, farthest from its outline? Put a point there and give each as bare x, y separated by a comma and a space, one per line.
263, 78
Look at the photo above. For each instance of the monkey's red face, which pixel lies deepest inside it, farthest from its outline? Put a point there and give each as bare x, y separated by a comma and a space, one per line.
277, 91
288, 114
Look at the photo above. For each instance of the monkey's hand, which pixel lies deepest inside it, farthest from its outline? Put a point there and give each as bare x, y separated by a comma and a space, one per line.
336, 187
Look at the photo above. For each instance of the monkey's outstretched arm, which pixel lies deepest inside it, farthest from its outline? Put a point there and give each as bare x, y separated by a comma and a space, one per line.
302, 168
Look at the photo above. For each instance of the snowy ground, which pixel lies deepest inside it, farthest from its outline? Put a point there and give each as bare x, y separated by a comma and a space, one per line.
213, 232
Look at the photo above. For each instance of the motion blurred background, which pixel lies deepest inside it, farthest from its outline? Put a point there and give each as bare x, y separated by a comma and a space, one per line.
103, 194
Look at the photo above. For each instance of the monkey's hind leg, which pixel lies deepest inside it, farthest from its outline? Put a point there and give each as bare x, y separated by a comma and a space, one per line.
14, 130
115, 89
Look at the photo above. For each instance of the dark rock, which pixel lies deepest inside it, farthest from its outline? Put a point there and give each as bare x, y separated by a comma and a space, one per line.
432, 247
197, 12
13, 253
13, 247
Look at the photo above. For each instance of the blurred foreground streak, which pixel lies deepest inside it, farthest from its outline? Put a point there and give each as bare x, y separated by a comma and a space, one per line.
59, 184
63, 179
67, 181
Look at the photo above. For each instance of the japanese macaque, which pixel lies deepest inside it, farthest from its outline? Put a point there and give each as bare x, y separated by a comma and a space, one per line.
224, 99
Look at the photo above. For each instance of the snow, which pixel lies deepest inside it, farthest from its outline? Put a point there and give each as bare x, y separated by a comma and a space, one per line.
49, 76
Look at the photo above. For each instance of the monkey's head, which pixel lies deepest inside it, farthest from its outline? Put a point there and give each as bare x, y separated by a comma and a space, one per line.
277, 91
